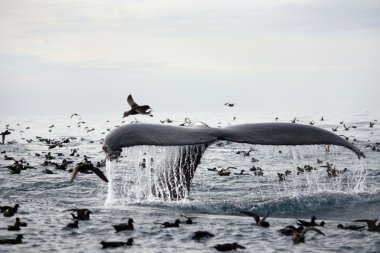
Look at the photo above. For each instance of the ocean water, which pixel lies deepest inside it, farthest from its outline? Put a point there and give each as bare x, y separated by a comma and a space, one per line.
216, 201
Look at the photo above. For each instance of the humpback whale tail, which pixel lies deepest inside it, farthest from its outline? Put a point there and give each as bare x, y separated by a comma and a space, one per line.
200, 136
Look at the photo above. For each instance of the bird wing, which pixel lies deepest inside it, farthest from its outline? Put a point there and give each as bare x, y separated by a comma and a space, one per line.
75, 172
303, 223
253, 215
71, 210
312, 229
143, 109
362, 220
263, 219
131, 102
100, 174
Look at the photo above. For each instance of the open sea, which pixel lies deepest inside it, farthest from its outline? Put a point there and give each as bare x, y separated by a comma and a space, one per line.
215, 201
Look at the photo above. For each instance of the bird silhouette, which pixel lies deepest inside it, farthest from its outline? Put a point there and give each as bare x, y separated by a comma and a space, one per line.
137, 109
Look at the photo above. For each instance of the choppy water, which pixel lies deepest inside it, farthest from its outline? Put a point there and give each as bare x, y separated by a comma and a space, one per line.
216, 201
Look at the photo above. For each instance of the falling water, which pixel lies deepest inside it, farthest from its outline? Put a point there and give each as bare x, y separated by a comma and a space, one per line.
150, 173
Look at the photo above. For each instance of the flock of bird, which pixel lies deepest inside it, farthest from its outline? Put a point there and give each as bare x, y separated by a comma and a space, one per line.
86, 166
297, 233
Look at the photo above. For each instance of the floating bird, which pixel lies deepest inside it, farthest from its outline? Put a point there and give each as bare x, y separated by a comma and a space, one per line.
137, 109
350, 227
166, 121
312, 122
84, 168
73, 225
8, 210
19, 223
116, 244
293, 120
82, 213
224, 172
198, 235
299, 237
189, 220
230, 104
172, 225
47, 171
281, 177
288, 231
241, 173
18, 240
245, 153
335, 129
8, 158
186, 122
372, 226
228, 246
14, 227
124, 226
259, 222
311, 223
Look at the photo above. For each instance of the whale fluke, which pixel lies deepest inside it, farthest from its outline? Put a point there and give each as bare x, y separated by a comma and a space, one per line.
260, 133
199, 136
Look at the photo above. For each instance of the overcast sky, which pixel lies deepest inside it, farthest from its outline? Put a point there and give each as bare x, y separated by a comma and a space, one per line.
189, 56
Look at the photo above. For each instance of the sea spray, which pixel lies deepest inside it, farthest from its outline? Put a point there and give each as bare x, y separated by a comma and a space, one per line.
152, 173
159, 177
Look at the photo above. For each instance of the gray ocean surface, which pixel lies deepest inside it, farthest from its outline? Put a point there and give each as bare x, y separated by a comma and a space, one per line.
216, 201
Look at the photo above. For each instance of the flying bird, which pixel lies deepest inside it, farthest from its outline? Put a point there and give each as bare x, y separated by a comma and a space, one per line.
84, 168
137, 109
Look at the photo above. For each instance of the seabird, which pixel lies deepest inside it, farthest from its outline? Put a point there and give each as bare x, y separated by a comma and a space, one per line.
372, 226
198, 235
8, 210
288, 231
189, 220
299, 237
259, 222
172, 225
137, 109
19, 223
311, 223
3, 134
116, 244
73, 225
82, 213
18, 240
230, 104
85, 167
228, 246
350, 227
124, 226
14, 227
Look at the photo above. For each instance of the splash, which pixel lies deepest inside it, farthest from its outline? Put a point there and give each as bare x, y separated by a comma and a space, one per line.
146, 174
152, 173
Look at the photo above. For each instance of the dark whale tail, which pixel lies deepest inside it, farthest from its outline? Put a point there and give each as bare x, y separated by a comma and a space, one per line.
260, 133
198, 138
